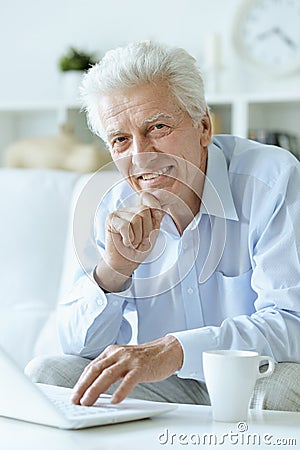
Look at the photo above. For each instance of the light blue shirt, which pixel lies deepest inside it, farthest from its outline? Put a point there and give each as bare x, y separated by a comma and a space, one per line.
231, 281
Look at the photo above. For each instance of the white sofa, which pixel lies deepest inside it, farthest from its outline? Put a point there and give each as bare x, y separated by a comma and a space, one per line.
37, 261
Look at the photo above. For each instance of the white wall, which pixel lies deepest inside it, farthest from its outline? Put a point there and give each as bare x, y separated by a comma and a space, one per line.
34, 33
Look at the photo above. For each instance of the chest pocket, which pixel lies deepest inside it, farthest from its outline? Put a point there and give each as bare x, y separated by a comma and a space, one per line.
224, 297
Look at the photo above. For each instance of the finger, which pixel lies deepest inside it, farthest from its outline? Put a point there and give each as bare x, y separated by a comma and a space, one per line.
152, 202
89, 375
123, 227
134, 225
137, 229
149, 200
82, 385
157, 216
100, 385
142, 225
146, 225
129, 382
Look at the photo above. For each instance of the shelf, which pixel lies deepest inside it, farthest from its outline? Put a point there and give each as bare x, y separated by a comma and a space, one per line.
255, 97
235, 113
240, 113
24, 107
212, 98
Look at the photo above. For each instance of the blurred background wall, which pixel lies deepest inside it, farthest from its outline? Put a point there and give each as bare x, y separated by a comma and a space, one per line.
35, 33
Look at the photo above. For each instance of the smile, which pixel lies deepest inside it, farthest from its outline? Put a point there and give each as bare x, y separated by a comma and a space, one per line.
151, 175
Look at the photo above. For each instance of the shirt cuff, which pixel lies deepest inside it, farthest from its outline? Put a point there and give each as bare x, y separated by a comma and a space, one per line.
194, 343
125, 290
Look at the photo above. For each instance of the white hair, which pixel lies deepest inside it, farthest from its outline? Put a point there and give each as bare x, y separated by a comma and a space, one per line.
141, 63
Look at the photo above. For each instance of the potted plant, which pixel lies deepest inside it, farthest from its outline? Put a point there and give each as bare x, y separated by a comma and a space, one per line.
76, 60
72, 65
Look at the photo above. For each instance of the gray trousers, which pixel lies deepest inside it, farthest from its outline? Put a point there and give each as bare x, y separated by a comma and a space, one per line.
280, 391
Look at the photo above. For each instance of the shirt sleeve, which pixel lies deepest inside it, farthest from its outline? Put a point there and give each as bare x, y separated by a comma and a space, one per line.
274, 328
88, 318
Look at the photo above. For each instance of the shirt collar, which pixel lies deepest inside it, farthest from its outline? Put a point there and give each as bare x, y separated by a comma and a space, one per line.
217, 197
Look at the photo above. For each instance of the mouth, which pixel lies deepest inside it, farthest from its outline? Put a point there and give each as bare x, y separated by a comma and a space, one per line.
153, 175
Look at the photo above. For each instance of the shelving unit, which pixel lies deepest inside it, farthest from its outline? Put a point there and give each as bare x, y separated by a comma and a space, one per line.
40, 119
243, 112
237, 114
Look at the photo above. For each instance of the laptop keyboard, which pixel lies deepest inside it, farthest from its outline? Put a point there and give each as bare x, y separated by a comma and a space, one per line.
71, 410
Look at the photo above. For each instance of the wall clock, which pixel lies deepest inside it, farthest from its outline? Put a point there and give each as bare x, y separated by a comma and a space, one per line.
267, 34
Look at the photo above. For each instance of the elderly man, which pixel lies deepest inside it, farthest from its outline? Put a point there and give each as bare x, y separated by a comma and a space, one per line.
201, 239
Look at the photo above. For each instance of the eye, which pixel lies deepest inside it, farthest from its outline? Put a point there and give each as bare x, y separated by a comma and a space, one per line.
118, 141
159, 126
159, 129
119, 144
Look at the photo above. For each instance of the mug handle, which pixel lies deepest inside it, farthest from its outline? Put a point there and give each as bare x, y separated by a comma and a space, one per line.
271, 364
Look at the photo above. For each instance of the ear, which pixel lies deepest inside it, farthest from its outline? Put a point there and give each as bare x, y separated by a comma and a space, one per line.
206, 129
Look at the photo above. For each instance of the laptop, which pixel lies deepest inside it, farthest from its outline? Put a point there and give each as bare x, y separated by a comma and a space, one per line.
22, 399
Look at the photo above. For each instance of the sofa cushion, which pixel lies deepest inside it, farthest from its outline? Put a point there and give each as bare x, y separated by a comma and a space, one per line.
34, 208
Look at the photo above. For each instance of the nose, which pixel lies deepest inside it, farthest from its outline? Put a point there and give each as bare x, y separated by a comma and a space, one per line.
143, 152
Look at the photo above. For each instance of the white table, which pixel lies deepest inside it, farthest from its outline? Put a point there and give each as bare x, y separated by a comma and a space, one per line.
187, 427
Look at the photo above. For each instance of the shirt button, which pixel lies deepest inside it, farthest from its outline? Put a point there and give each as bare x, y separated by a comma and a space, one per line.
184, 246
115, 303
190, 290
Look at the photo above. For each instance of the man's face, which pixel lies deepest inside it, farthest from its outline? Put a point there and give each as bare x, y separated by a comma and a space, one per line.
154, 143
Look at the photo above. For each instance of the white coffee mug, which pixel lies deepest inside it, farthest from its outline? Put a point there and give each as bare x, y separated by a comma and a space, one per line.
230, 376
